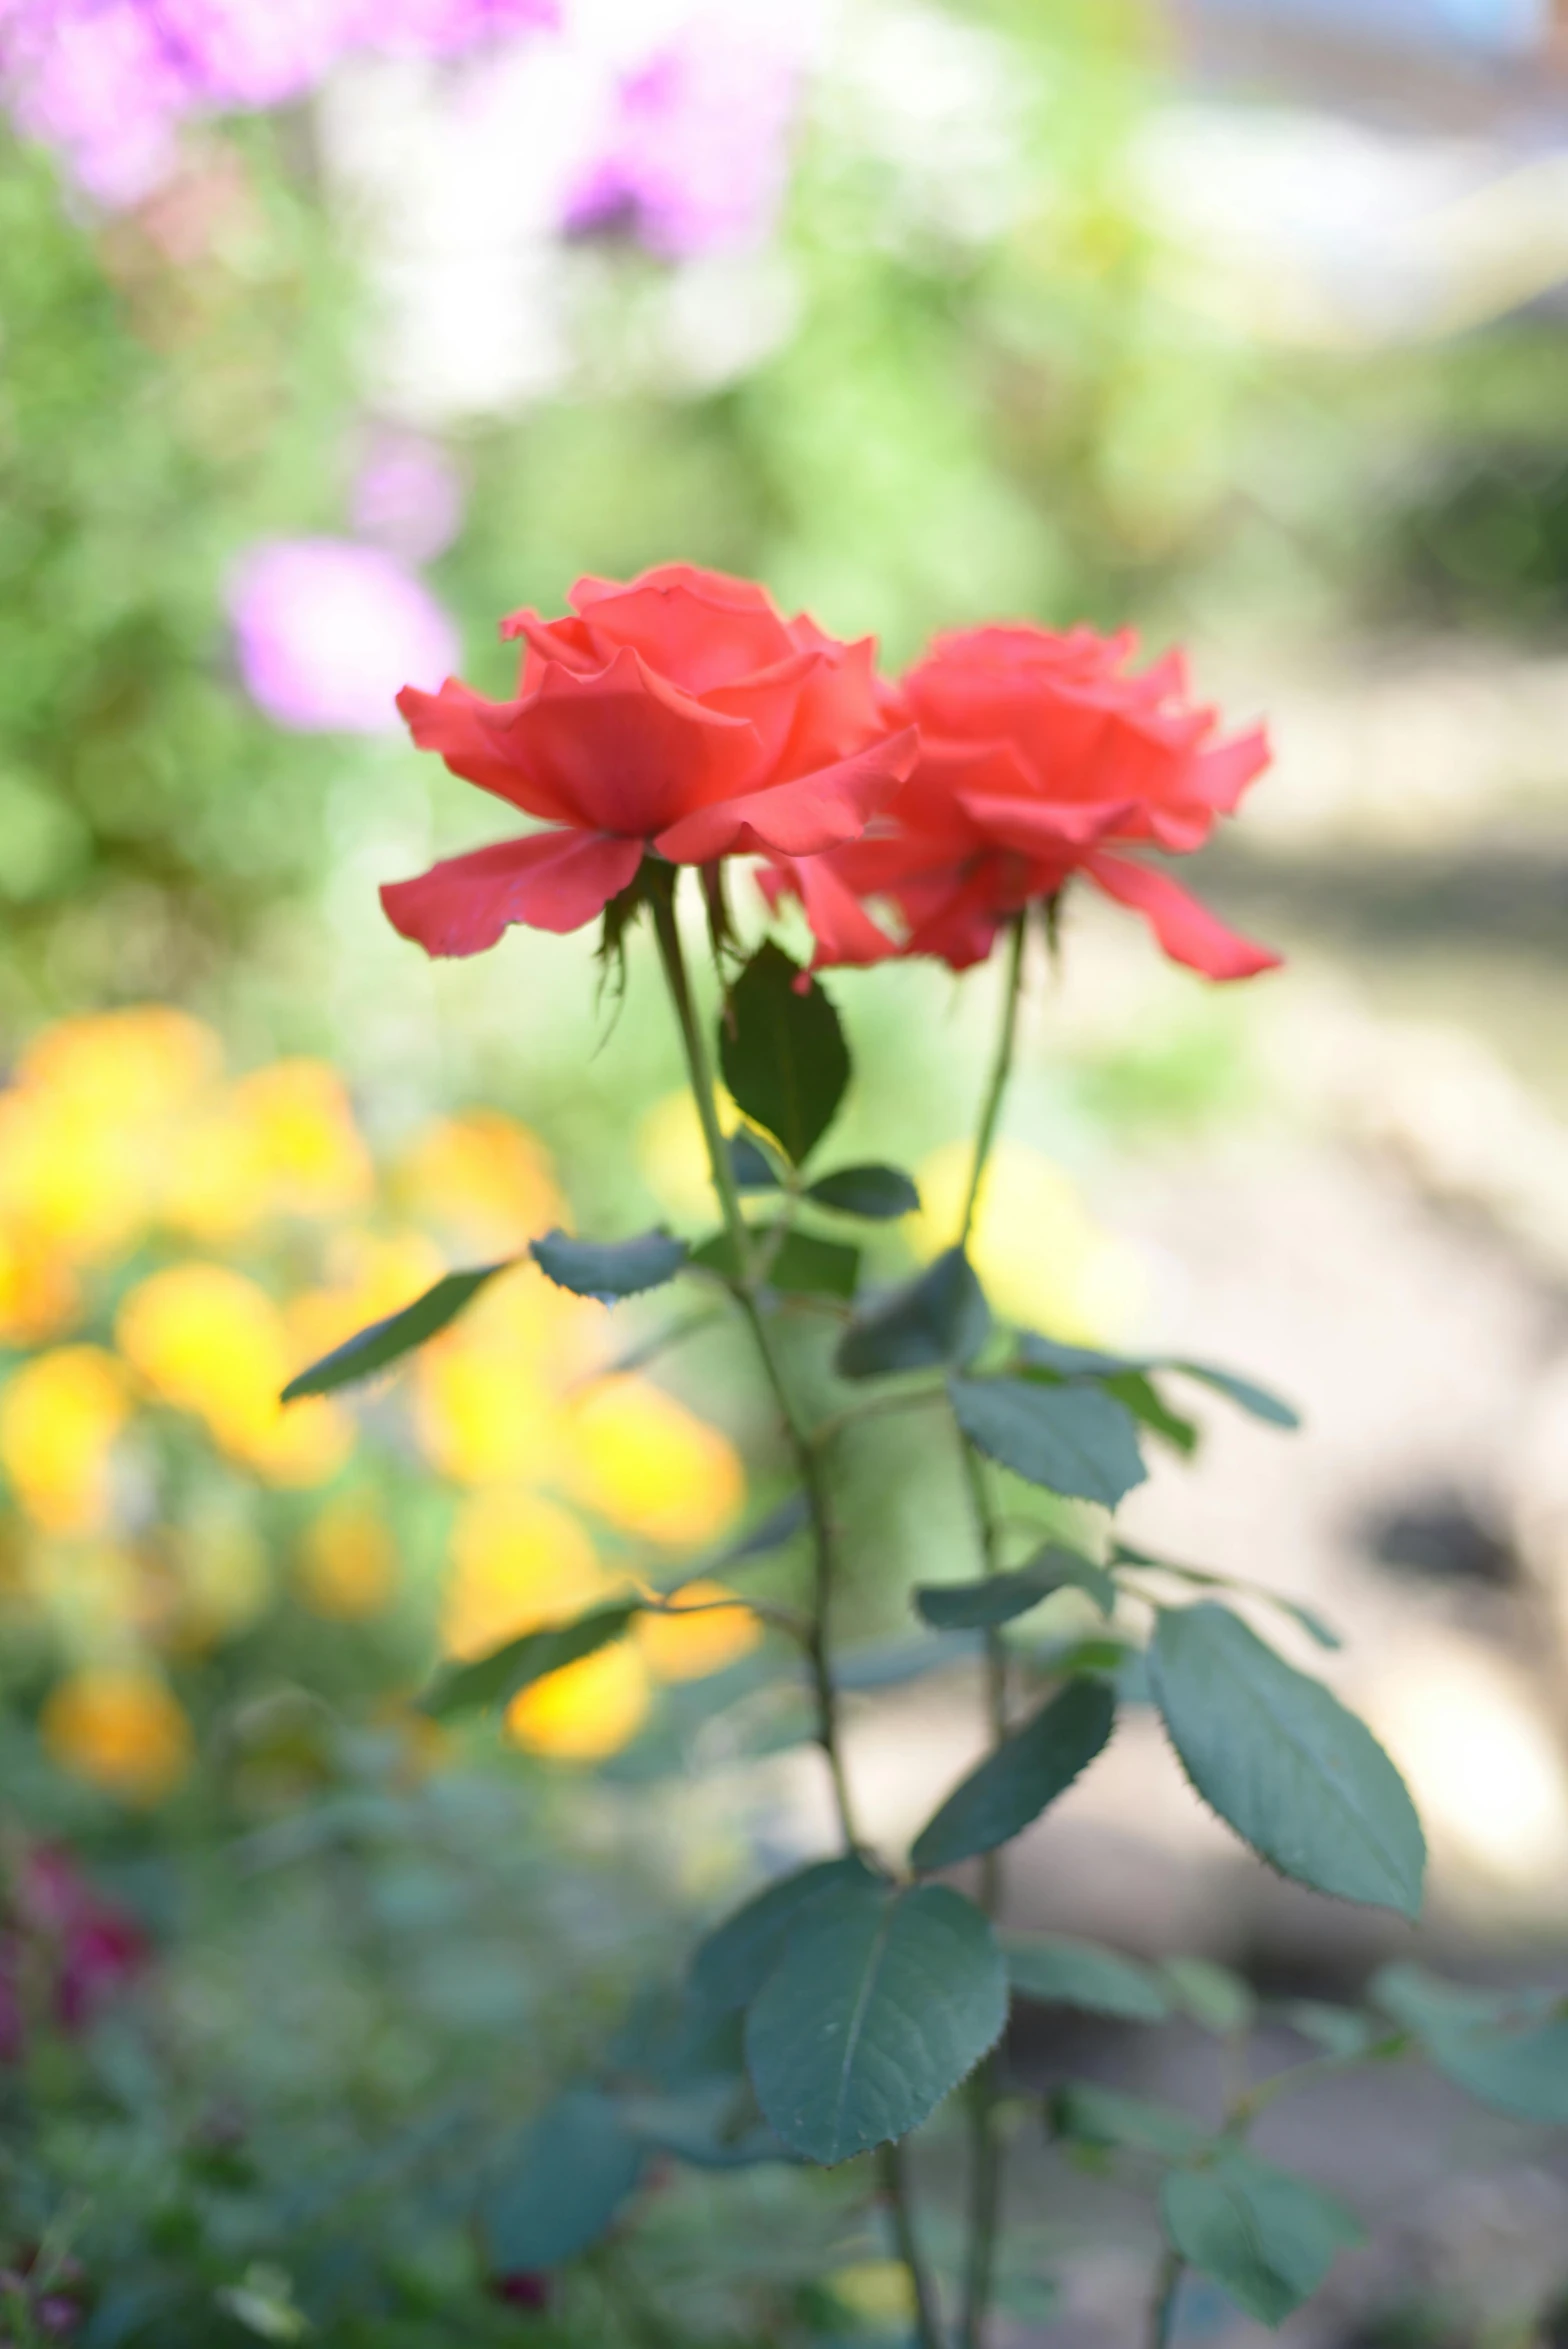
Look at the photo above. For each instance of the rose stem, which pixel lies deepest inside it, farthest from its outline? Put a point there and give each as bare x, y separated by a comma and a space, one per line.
810, 1468
986, 2151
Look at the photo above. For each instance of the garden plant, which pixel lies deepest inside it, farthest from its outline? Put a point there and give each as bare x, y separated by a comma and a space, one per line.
679, 721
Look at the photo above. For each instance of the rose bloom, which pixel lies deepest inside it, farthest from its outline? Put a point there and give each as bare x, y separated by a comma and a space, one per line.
1042, 755
679, 713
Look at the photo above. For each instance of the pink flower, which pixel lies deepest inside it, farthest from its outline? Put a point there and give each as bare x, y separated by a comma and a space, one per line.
696, 156
327, 631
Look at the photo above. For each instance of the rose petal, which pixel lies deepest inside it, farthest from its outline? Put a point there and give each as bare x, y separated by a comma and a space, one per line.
1037, 828
686, 626
458, 724
1185, 930
844, 931
550, 881
816, 812
624, 751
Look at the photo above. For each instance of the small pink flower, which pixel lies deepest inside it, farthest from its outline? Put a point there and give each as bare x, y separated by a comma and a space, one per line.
327, 632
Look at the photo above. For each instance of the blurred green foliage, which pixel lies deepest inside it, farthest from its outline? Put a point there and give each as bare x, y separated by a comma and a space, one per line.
173, 385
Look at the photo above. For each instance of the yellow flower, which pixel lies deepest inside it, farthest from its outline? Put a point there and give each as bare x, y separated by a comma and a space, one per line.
685, 1646
518, 1561
38, 1290
85, 1134
482, 1414
486, 1407
1040, 1255
372, 1276
588, 1710
312, 1156
483, 1178
59, 1417
636, 1456
135, 1064
347, 1566
211, 1342
121, 1730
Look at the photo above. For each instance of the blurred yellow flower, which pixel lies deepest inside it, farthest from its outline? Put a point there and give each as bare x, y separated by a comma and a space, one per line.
347, 1564
372, 1275
1040, 1255
636, 1456
208, 1340
135, 1064
38, 1291
517, 1561
85, 1131
313, 1159
121, 1730
672, 1156
589, 1710
483, 1178
60, 1414
483, 1413
686, 1646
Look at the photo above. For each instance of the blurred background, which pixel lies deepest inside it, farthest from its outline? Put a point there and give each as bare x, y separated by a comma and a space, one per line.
331, 332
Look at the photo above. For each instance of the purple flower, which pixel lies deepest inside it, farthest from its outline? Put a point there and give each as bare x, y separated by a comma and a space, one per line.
108, 82
695, 159
327, 632
408, 496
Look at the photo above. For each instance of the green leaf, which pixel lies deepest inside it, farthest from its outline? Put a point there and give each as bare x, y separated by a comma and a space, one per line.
1000, 1598
782, 1052
799, 1265
1104, 2116
1338, 2030
879, 1194
1266, 2238
559, 2187
731, 1964
1062, 1361
713, 2126
880, 2003
497, 1678
608, 1269
1013, 1785
1062, 1972
1215, 1997
750, 1165
1506, 2049
1310, 1621
939, 1318
1149, 1407
1244, 1392
1075, 1440
893, 1663
373, 1348
1282, 1761
780, 1525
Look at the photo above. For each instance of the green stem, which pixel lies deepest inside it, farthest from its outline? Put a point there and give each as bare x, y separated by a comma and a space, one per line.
895, 2186
1001, 1070
807, 1459
986, 2164
810, 1467
986, 2152
1162, 2309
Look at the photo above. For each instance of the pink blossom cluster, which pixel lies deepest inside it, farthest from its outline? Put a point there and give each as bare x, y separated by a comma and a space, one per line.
109, 82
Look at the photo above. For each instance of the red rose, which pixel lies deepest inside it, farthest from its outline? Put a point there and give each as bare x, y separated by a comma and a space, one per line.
680, 713
1041, 754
